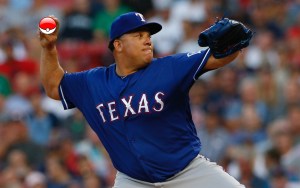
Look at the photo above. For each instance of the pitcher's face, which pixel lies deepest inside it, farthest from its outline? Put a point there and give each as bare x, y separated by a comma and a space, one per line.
137, 46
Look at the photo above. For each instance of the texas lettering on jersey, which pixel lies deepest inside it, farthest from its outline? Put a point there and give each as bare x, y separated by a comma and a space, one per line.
143, 106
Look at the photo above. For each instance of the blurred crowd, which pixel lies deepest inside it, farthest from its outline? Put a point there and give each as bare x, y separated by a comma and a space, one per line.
247, 113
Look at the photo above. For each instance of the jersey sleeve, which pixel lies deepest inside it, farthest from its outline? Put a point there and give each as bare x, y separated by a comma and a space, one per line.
188, 67
72, 89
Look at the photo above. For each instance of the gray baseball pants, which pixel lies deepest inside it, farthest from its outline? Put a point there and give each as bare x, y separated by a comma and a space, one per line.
200, 173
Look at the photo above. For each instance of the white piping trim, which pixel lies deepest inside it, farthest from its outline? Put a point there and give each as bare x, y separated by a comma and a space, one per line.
200, 64
64, 100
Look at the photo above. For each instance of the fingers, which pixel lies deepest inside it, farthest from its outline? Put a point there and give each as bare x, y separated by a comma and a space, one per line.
48, 40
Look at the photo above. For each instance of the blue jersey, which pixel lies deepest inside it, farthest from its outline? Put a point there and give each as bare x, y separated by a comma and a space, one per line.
143, 120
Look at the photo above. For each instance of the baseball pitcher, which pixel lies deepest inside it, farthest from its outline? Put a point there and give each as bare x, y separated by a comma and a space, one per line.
139, 106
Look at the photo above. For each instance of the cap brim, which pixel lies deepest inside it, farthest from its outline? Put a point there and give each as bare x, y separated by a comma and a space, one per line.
152, 27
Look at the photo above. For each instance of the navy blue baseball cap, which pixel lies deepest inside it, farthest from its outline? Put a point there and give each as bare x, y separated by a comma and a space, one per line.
131, 21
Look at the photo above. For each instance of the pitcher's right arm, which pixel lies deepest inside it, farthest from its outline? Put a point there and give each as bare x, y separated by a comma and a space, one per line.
50, 70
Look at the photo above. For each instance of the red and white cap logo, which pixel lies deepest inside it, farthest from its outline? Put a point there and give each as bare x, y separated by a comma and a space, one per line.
47, 25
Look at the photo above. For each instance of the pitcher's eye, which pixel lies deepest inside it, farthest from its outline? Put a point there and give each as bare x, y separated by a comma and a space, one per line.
138, 35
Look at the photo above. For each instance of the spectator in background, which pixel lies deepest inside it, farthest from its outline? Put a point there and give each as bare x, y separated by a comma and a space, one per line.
18, 103
81, 48
289, 153
214, 137
76, 126
16, 57
251, 126
104, 18
16, 138
166, 41
222, 93
263, 53
87, 172
243, 156
93, 149
16, 169
268, 156
68, 155
57, 173
249, 102
78, 23
39, 122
